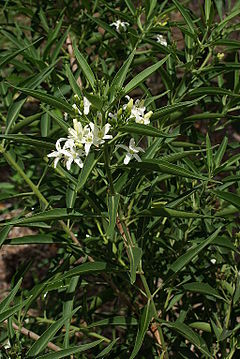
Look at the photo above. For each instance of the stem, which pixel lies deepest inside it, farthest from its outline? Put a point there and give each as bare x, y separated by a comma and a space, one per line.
149, 295
108, 170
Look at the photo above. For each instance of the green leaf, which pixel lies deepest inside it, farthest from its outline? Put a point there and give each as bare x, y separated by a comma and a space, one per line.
74, 350
89, 267
107, 350
144, 130
166, 110
53, 114
95, 100
203, 288
47, 336
209, 154
208, 4
166, 167
206, 327
9, 312
224, 22
130, 6
160, 211
190, 335
186, 16
68, 307
118, 321
4, 233
212, 91
138, 79
8, 58
88, 166
135, 255
34, 239
72, 81
152, 5
192, 252
13, 113
50, 215
85, 67
49, 99
29, 140
103, 25
145, 320
7, 301
229, 197
120, 76
220, 152
113, 201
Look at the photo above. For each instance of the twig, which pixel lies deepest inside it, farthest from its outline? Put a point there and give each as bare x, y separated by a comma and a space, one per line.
32, 335
154, 327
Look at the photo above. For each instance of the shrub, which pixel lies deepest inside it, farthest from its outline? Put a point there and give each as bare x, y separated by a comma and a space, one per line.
120, 154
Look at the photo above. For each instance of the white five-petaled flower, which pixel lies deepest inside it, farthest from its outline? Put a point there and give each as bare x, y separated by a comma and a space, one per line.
59, 153
86, 105
137, 111
161, 40
100, 134
73, 155
132, 151
77, 133
120, 25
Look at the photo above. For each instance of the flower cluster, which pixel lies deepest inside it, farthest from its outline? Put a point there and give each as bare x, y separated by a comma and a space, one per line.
136, 111
81, 137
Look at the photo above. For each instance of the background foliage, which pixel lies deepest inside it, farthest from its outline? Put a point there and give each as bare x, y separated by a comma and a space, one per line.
139, 260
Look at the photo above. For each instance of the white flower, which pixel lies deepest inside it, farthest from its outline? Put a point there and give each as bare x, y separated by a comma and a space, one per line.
74, 106
213, 260
77, 133
59, 153
161, 40
100, 134
137, 111
132, 151
87, 139
65, 116
120, 25
73, 155
86, 105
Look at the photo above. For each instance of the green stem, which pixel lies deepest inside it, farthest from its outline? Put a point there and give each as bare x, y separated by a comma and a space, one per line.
108, 170
149, 295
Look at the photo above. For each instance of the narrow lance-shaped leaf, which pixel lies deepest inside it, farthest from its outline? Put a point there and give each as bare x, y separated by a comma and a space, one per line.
88, 166
145, 320
193, 252
47, 336
138, 79
113, 201
120, 76
135, 255
186, 16
7, 301
49, 99
190, 335
107, 350
144, 130
85, 67
74, 350
8, 58
203, 288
